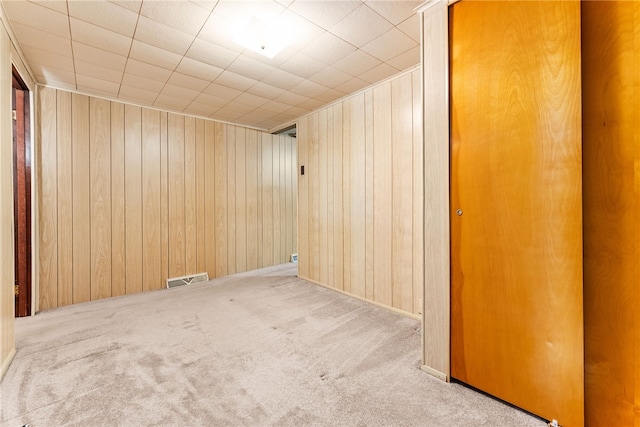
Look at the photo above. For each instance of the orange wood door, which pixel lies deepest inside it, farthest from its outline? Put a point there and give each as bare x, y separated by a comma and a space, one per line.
611, 155
516, 248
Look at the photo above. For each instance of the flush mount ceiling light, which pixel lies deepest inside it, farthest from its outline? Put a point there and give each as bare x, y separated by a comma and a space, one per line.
266, 36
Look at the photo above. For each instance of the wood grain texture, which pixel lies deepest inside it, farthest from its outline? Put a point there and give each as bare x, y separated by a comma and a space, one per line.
418, 194
133, 198
221, 199
190, 222
241, 199
338, 201
251, 200
118, 241
402, 200
100, 215
151, 201
302, 130
435, 106
48, 200
201, 229
81, 199
516, 251
346, 195
369, 192
64, 167
322, 194
156, 193
383, 231
208, 200
176, 179
611, 131
357, 190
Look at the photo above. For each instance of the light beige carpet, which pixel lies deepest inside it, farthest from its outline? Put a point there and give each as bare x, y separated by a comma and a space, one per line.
257, 349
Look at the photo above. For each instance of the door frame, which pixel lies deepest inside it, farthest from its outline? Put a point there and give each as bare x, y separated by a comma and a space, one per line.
24, 303
434, 55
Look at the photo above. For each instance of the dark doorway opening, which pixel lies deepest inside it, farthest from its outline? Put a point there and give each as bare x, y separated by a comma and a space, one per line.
20, 104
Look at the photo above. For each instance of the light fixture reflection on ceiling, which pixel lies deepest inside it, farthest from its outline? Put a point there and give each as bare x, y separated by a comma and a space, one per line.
266, 36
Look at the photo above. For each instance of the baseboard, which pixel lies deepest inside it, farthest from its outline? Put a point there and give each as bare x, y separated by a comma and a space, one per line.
6, 363
393, 309
435, 373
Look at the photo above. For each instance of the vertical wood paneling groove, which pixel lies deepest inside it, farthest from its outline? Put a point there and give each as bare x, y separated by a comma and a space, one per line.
211, 194
81, 198
190, 229
131, 196
241, 199
151, 201
360, 202
176, 150
118, 244
48, 200
100, 198
65, 199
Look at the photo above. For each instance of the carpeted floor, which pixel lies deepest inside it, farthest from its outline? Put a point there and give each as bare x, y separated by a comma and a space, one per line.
259, 348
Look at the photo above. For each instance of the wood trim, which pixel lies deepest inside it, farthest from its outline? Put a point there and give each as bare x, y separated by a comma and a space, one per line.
435, 72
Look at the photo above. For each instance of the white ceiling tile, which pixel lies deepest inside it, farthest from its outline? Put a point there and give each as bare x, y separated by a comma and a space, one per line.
406, 60
33, 37
89, 83
361, 26
353, 85
207, 4
389, 45
136, 94
171, 102
250, 100
198, 69
411, 27
325, 13
132, 5
57, 5
330, 77
239, 11
97, 71
43, 58
188, 82
222, 91
200, 109
50, 74
378, 73
329, 96
105, 14
356, 63
147, 71
282, 79
303, 31
291, 98
37, 15
154, 55
235, 81
285, 3
93, 55
250, 67
184, 16
265, 90
328, 48
179, 92
276, 107
395, 11
309, 88
219, 29
139, 82
302, 65
211, 100
211, 54
235, 108
162, 36
99, 37
58, 84
311, 104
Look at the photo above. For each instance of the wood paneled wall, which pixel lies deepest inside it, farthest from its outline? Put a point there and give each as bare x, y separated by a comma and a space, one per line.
131, 196
611, 171
7, 342
361, 199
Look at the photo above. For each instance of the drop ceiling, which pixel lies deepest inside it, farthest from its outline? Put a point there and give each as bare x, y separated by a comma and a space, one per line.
179, 55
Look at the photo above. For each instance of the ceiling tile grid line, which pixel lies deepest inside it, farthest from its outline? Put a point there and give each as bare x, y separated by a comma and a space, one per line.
182, 55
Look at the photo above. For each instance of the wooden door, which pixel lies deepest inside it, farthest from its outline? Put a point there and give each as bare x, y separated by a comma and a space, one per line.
21, 197
516, 222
